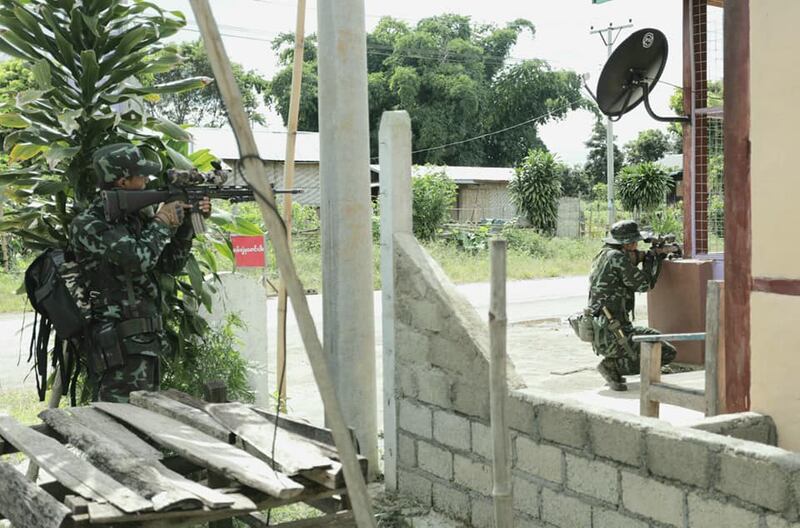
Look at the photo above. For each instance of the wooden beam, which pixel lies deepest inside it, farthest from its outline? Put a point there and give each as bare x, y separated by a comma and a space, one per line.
254, 168
25, 504
650, 371
72, 471
694, 399
158, 403
204, 450
738, 224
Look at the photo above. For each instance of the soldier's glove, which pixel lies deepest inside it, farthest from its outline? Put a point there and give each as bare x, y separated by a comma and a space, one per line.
170, 214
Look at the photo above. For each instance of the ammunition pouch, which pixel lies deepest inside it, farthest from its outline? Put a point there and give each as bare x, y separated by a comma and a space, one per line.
582, 324
110, 350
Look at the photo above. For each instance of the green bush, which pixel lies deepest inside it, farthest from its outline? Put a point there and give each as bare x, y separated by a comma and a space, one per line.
642, 187
535, 190
216, 356
600, 192
434, 194
668, 220
527, 241
716, 215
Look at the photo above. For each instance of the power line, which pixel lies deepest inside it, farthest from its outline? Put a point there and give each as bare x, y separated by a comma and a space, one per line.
496, 132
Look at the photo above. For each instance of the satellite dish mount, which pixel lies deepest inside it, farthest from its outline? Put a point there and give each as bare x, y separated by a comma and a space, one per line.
630, 75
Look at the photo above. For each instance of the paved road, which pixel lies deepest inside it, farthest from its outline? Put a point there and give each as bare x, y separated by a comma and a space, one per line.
544, 351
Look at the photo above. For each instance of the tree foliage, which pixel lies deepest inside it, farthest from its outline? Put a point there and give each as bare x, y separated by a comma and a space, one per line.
454, 79
204, 107
650, 145
595, 166
643, 187
84, 57
535, 190
434, 194
574, 180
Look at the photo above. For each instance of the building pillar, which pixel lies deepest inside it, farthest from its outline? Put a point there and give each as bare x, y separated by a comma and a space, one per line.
395, 200
346, 211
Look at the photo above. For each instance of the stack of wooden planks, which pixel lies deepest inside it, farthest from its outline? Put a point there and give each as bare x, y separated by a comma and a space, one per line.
132, 462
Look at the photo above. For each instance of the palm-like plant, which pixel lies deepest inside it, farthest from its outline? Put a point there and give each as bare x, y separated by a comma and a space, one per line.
535, 190
643, 187
85, 57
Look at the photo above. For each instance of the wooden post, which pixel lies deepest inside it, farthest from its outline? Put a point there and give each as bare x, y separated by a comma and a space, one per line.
712, 348
288, 183
254, 168
650, 372
498, 389
215, 391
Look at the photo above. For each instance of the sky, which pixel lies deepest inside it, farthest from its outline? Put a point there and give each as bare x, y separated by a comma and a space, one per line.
562, 38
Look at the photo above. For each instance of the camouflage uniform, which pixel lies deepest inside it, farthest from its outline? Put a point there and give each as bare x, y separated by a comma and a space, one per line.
120, 266
613, 283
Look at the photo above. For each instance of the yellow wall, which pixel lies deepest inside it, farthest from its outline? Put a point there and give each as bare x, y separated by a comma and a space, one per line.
775, 150
775, 136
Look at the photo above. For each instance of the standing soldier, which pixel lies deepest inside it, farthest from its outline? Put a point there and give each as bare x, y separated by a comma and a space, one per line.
120, 265
614, 281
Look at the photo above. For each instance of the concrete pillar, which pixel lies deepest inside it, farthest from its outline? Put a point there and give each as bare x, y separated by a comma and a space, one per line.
395, 200
346, 210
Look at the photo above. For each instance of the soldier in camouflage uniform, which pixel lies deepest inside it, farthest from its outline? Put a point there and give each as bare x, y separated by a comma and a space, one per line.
614, 280
120, 266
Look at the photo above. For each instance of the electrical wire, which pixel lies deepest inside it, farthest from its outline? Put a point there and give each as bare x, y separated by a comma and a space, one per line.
494, 133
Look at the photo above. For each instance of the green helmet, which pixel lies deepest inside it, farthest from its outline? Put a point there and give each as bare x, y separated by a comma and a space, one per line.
124, 160
624, 232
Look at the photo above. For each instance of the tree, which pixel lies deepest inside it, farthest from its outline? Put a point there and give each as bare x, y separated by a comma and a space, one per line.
595, 166
574, 181
714, 98
204, 107
83, 57
453, 78
535, 190
15, 77
650, 145
643, 187
433, 196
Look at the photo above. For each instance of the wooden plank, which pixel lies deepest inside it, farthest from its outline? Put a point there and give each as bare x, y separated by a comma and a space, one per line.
650, 370
712, 348
7, 448
25, 504
339, 519
104, 425
73, 472
192, 518
319, 436
77, 505
653, 338
676, 395
149, 478
204, 450
183, 413
292, 453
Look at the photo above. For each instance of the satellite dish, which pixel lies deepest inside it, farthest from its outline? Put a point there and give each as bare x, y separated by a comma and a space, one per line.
631, 73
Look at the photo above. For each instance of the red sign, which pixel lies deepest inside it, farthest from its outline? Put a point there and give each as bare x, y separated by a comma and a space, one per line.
248, 251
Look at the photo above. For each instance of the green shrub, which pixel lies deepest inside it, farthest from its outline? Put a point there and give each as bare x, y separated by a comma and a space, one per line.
668, 220
434, 194
716, 215
527, 241
600, 192
216, 356
642, 187
535, 190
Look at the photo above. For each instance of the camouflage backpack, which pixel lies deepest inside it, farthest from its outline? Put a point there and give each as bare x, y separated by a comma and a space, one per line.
54, 289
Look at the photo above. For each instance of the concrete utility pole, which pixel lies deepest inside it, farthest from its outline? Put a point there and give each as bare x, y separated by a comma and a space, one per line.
609, 38
346, 210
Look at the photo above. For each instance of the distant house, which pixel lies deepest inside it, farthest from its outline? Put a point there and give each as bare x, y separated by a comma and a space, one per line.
482, 191
673, 164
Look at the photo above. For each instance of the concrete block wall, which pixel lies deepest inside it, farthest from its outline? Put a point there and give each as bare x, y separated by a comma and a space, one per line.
573, 466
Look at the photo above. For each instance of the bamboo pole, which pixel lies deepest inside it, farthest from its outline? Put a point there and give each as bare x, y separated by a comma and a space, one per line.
288, 183
254, 168
498, 389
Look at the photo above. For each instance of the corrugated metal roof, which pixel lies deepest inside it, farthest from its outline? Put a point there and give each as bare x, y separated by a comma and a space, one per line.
465, 175
271, 143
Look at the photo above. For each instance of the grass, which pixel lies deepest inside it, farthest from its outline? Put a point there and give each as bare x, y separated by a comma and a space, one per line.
22, 405
10, 301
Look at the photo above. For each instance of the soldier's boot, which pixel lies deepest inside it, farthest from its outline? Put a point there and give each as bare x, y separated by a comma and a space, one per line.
615, 381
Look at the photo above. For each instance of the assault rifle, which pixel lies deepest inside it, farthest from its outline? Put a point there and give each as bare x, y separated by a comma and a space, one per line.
188, 186
663, 245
